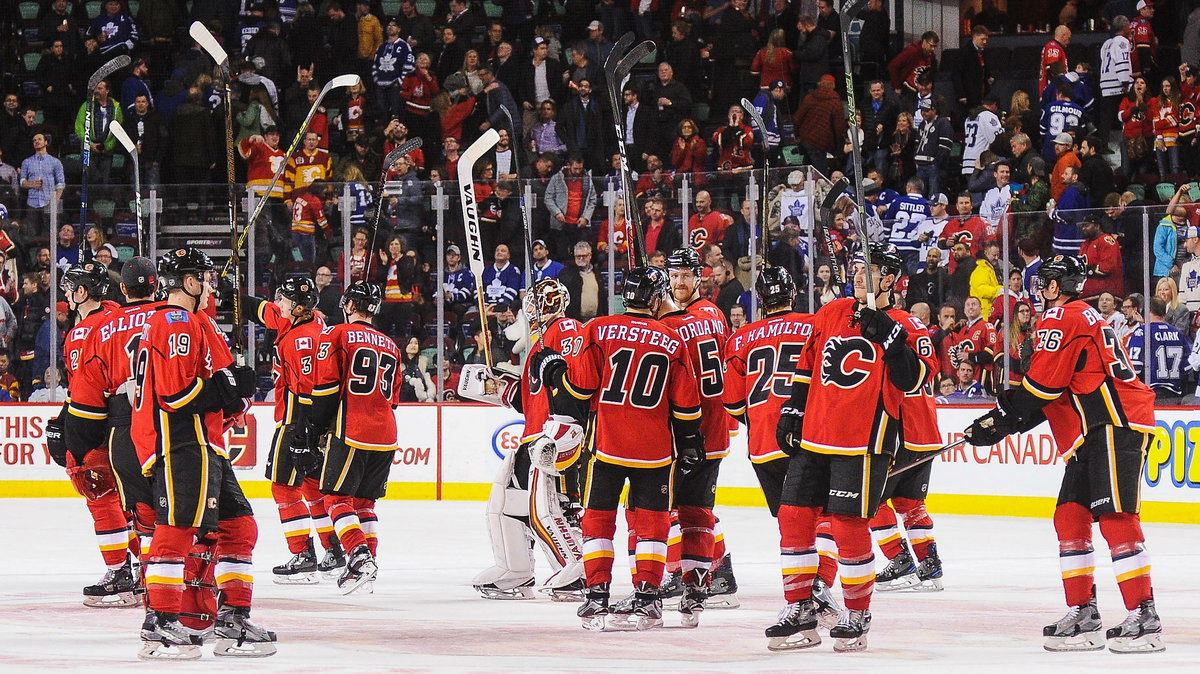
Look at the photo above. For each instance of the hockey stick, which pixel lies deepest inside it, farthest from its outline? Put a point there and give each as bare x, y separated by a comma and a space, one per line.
525, 219
927, 458
102, 73
835, 192
127, 142
470, 209
616, 69
761, 250
850, 11
388, 161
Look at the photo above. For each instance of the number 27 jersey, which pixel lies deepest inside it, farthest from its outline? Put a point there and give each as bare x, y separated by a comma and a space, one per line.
357, 365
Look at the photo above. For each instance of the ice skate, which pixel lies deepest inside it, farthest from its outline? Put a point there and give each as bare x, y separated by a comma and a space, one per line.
1141, 631
693, 601
595, 608
899, 574
722, 591
505, 590
796, 627
644, 612
360, 570
117, 589
828, 608
670, 591
573, 591
301, 569
165, 638
333, 562
1078, 630
238, 636
929, 572
850, 632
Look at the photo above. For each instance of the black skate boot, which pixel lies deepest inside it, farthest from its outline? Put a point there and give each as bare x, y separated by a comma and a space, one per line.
1078, 630
238, 636
929, 572
360, 570
595, 607
165, 638
669, 592
644, 612
828, 608
695, 594
722, 591
900, 572
796, 627
333, 562
301, 569
1141, 632
117, 589
571, 592
850, 632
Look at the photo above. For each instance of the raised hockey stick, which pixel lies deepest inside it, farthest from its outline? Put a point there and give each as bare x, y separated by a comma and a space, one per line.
89, 102
929, 456
470, 209
616, 69
127, 143
850, 12
525, 219
759, 124
388, 162
835, 192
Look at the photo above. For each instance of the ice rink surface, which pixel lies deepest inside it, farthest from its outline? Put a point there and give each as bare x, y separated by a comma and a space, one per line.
1001, 574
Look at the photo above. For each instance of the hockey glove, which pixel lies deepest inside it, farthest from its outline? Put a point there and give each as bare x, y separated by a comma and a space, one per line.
550, 367
231, 386
304, 456
989, 429
54, 441
880, 328
689, 451
787, 432
979, 358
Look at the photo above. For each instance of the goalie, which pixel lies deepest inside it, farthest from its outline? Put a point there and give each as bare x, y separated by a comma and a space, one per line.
526, 502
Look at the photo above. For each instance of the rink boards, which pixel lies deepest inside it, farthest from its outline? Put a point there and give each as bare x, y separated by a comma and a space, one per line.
451, 452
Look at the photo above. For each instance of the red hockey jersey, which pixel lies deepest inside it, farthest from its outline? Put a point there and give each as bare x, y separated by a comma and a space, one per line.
303, 169
1102, 255
294, 362
977, 337
76, 337
261, 164
704, 331
308, 213
760, 361
357, 370
104, 363
638, 370
565, 336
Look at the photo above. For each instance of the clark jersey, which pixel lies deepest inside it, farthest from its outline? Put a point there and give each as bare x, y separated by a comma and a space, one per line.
760, 360
355, 383
176, 356
104, 364
294, 362
1169, 349
1080, 367
565, 336
852, 408
705, 332
638, 370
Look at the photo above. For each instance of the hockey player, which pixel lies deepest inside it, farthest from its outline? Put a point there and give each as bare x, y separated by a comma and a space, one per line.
186, 387
1080, 380
292, 467
637, 370
99, 410
84, 286
354, 396
525, 503
858, 365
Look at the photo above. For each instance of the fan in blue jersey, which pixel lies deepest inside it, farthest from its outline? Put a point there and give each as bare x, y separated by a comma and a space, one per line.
1059, 116
1168, 349
905, 215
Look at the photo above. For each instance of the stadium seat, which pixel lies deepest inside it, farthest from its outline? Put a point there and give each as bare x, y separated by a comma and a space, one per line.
391, 8
426, 7
492, 9
29, 10
32, 59
93, 9
1165, 191
1138, 190
104, 207
134, 5
701, 111
793, 156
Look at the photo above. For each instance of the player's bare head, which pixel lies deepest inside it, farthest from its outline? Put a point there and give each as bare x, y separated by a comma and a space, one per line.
296, 297
188, 276
683, 273
362, 300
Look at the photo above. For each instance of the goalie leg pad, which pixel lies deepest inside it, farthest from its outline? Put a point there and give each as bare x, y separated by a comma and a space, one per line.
507, 514
561, 543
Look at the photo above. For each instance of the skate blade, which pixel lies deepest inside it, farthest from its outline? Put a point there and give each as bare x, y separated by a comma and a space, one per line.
828, 618
902, 583
722, 601
156, 650
348, 585
689, 620
332, 575
1088, 641
514, 594
230, 648
297, 579
571, 596
1147, 643
594, 623
119, 600
623, 622
850, 644
794, 642
929, 585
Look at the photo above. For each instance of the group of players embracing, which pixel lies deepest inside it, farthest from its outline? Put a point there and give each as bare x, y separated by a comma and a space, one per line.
842, 429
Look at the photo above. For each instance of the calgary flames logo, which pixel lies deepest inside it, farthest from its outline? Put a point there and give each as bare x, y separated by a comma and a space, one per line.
846, 361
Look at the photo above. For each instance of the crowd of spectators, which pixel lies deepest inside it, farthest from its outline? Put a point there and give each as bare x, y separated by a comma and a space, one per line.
1067, 163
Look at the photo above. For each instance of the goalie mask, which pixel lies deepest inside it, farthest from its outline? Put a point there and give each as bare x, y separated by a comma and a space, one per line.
547, 302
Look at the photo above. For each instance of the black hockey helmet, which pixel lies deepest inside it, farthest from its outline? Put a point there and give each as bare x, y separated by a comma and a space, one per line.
685, 258
1068, 270
91, 276
367, 297
299, 289
885, 256
775, 287
642, 285
176, 264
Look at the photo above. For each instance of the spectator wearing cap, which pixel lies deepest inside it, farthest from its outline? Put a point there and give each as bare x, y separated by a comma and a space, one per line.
540, 79
543, 266
1143, 58
820, 123
810, 56
458, 286
1105, 272
588, 290
1065, 155
772, 104
934, 140
1067, 212
774, 62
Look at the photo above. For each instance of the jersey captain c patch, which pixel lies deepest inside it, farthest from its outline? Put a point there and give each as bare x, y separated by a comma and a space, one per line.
846, 361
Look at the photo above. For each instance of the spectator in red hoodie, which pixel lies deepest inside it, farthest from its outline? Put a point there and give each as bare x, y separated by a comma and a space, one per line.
903, 69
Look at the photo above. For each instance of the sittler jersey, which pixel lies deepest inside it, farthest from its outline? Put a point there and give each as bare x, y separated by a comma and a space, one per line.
851, 404
356, 379
704, 331
565, 336
294, 363
1080, 367
638, 370
177, 354
760, 360
104, 363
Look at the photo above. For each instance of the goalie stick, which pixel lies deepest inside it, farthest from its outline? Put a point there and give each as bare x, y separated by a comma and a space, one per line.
616, 69
850, 11
388, 161
525, 220
102, 73
470, 209
127, 143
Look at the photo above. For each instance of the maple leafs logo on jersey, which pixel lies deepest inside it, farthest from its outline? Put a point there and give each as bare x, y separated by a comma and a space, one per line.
843, 360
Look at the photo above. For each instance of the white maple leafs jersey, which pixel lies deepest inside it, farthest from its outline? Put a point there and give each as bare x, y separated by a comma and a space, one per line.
1116, 70
979, 132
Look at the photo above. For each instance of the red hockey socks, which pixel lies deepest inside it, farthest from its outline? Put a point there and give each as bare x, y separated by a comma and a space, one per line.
198, 603
797, 551
164, 572
917, 525
599, 527
1131, 563
1073, 524
885, 531
674, 544
718, 553
369, 521
651, 551
293, 514
696, 528
827, 554
235, 546
856, 561
345, 521
316, 509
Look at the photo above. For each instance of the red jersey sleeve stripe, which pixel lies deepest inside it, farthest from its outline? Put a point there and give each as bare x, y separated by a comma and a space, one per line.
328, 389
1043, 392
179, 400
82, 411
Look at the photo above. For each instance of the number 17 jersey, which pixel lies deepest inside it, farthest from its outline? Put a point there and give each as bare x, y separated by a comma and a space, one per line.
356, 370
